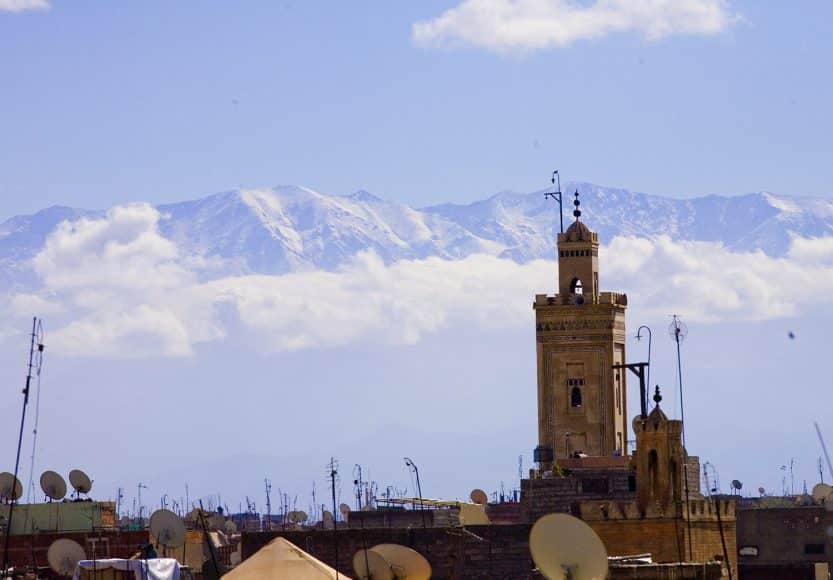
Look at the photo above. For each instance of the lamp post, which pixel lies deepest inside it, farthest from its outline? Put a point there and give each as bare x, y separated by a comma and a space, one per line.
639, 337
410, 463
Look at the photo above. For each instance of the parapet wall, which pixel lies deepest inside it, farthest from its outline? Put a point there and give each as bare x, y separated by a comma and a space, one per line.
476, 553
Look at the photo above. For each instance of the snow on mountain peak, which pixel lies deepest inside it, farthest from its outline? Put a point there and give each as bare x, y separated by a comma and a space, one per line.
289, 228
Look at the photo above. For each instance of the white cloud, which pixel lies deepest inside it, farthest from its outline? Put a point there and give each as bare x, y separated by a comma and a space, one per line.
115, 287
525, 25
23, 5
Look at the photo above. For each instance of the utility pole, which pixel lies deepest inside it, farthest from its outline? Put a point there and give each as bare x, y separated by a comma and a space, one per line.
36, 334
140, 487
268, 504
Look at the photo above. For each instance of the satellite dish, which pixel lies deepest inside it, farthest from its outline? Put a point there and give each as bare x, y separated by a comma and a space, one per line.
761, 490
231, 527
344, 509
168, 528
821, 492
10, 488
677, 330
736, 484
80, 482
405, 562
370, 565
63, 556
328, 520
479, 497
562, 545
53, 485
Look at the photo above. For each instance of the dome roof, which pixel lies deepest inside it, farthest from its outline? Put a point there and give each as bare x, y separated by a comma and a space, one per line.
657, 416
578, 232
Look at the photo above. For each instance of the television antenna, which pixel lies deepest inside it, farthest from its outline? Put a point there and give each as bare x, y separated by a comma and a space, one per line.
370, 565
80, 482
556, 195
822, 493
678, 332
405, 563
358, 484
63, 556
564, 547
332, 471
10, 487
479, 496
168, 529
268, 485
824, 449
53, 485
35, 365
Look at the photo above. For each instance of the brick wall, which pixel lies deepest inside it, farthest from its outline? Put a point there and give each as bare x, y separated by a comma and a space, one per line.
477, 553
30, 550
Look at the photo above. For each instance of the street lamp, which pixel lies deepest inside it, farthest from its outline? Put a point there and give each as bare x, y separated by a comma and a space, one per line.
410, 463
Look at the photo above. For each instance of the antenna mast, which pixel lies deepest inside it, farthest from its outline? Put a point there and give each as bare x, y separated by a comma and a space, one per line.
678, 332
824, 449
268, 485
333, 472
357, 473
556, 195
35, 362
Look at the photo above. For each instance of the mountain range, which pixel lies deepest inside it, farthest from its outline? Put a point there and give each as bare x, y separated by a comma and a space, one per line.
290, 228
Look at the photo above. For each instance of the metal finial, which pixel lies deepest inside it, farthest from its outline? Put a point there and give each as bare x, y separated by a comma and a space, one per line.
657, 396
577, 203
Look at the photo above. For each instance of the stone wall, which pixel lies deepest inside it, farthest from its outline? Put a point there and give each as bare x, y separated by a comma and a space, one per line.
542, 496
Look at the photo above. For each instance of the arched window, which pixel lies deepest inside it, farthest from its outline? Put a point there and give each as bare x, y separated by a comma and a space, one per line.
575, 397
576, 287
653, 475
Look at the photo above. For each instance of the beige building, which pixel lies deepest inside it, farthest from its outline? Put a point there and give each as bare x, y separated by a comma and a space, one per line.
580, 336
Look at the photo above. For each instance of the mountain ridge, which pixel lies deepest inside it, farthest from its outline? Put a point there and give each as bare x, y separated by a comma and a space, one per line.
291, 228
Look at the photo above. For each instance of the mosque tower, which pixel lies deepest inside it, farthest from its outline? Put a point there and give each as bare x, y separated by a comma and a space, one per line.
580, 336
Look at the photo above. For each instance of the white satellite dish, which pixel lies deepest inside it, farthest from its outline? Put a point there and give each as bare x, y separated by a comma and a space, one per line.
80, 482
405, 562
370, 565
479, 497
10, 488
344, 509
565, 547
167, 528
231, 527
328, 520
53, 485
821, 492
63, 556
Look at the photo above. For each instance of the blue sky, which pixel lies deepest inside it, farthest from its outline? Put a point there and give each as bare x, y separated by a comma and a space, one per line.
105, 102
102, 103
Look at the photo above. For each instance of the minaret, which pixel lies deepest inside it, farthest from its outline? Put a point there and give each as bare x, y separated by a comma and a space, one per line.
580, 335
660, 460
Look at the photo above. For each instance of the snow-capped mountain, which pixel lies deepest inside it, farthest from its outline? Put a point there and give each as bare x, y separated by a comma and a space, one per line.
291, 228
